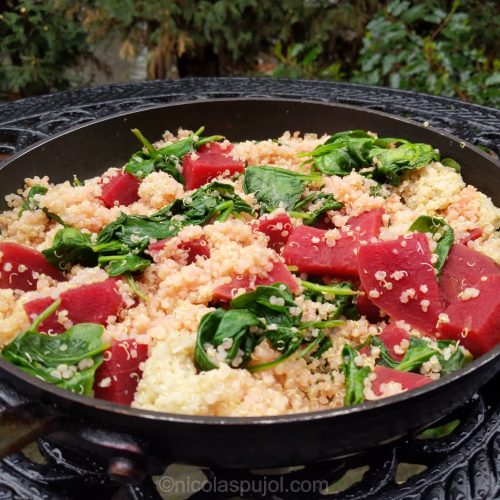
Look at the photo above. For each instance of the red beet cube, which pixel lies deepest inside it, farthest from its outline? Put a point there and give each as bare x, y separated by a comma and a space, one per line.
475, 322
463, 269
407, 380
20, 266
208, 163
92, 303
400, 280
278, 274
117, 378
309, 249
122, 189
278, 229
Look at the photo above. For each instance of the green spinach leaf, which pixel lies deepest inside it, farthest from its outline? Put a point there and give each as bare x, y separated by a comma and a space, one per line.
456, 361
354, 377
219, 326
441, 232
420, 351
121, 264
275, 187
272, 303
391, 163
70, 246
321, 203
383, 159
32, 204
167, 159
121, 245
68, 360
268, 313
417, 354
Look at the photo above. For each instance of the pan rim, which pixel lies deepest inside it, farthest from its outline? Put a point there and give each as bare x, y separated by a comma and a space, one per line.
435, 130
366, 407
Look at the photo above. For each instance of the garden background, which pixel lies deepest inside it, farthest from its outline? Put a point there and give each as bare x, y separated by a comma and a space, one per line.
443, 47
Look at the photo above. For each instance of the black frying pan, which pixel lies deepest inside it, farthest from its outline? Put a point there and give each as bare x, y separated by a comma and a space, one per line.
261, 441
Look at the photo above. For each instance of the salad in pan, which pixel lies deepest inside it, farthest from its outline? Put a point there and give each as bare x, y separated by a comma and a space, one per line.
253, 278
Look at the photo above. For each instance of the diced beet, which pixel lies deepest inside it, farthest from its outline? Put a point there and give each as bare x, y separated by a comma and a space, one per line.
400, 280
367, 225
278, 229
392, 336
117, 378
474, 234
122, 188
92, 303
475, 322
157, 246
208, 163
407, 380
278, 274
196, 247
215, 147
17, 265
368, 309
34, 308
463, 269
307, 247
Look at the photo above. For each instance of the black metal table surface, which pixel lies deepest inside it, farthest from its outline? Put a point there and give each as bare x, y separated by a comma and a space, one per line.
464, 464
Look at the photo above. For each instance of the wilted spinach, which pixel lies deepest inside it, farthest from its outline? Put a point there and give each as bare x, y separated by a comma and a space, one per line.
30, 203
382, 159
70, 246
437, 227
343, 292
121, 245
275, 187
321, 203
354, 376
167, 159
420, 351
265, 313
68, 360
135, 231
220, 325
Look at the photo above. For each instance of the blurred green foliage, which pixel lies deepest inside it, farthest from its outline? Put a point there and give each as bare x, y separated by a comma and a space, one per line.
37, 48
297, 61
221, 37
422, 47
445, 47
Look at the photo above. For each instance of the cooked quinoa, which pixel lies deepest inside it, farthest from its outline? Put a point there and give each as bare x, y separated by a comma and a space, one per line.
176, 291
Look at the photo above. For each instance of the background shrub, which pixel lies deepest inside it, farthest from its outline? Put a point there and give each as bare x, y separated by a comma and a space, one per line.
37, 48
445, 47
425, 48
